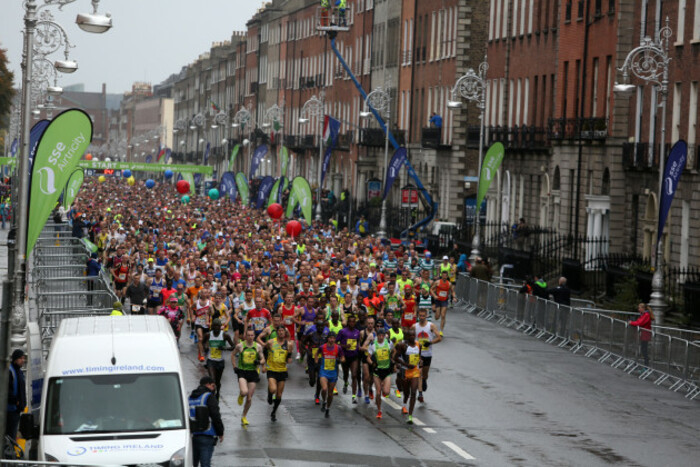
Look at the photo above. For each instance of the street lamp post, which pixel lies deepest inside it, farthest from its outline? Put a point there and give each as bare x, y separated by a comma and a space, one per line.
472, 87
380, 101
316, 107
274, 121
649, 62
240, 120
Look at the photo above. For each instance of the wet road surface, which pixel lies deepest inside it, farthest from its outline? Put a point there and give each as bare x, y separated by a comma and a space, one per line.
495, 397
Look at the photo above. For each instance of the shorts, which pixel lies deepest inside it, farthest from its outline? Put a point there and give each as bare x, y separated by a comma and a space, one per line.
349, 360
277, 375
215, 364
153, 303
119, 285
250, 376
426, 360
199, 326
332, 377
382, 373
241, 329
441, 303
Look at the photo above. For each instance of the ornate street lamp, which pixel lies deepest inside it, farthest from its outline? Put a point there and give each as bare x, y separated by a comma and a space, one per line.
472, 87
316, 107
649, 62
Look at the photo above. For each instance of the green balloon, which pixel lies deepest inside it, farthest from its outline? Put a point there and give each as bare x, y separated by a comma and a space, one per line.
185, 199
214, 194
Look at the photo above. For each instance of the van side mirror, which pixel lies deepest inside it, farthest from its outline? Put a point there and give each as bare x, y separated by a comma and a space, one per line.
27, 427
200, 422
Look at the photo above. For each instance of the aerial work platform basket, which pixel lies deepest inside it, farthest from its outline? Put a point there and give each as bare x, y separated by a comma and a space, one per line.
331, 19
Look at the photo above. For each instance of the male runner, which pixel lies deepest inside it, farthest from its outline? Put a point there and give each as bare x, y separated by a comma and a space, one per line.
427, 334
247, 359
349, 340
278, 357
380, 357
441, 291
407, 356
327, 358
215, 359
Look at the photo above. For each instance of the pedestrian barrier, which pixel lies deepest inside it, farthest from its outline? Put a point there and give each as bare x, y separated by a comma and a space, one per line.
60, 286
673, 354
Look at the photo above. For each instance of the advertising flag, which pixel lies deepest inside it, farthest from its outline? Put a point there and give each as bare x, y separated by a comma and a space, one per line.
189, 178
197, 180
72, 187
300, 194
332, 129
492, 161
264, 191
227, 187
159, 158
242, 184
234, 153
61, 146
34, 137
675, 164
394, 168
168, 156
258, 156
149, 158
277, 189
206, 153
283, 160
14, 147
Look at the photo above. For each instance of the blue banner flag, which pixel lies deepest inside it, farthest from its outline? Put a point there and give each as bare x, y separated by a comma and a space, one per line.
197, 180
258, 156
14, 147
206, 154
675, 164
149, 158
264, 191
168, 156
34, 137
331, 133
228, 187
392, 171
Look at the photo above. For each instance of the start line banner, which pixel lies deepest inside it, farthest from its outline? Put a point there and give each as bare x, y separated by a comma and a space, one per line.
143, 167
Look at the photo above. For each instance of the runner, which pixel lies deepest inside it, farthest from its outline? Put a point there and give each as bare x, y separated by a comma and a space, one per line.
348, 338
380, 358
441, 291
427, 335
315, 336
407, 356
258, 318
247, 359
367, 338
215, 359
327, 358
408, 316
174, 315
279, 356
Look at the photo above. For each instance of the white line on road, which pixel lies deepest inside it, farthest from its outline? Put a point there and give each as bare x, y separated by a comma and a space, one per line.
391, 403
459, 450
429, 430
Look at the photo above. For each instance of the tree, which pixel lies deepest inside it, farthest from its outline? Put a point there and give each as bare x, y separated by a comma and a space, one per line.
7, 90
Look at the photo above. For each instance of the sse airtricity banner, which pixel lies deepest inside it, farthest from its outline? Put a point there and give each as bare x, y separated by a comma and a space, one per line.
73, 187
394, 169
263, 191
300, 194
234, 153
258, 156
672, 174
227, 186
492, 161
284, 160
62, 145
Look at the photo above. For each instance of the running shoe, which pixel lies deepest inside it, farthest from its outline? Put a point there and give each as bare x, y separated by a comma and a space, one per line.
269, 398
335, 391
440, 333
420, 397
379, 415
323, 406
196, 338
192, 335
359, 391
425, 385
240, 399
371, 395
398, 394
327, 413
244, 421
201, 358
366, 399
273, 417
404, 410
354, 399
317, 401
410, 420
345, 388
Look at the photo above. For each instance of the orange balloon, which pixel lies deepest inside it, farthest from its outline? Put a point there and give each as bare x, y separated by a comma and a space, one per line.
88, 157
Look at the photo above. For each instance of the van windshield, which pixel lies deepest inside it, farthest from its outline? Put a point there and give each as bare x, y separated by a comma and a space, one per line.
114, 403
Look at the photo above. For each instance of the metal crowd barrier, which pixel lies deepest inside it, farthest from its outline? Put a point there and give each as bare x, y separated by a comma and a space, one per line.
674, 361
60, 284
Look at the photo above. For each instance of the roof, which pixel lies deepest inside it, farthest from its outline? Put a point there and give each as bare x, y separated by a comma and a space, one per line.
108, 325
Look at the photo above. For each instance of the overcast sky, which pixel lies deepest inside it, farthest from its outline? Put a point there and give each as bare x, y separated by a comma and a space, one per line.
149, 40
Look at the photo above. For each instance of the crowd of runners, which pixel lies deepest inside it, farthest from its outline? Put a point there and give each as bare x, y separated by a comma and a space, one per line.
344, 306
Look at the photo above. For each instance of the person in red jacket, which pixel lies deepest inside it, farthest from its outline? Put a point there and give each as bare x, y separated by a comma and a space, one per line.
644, 322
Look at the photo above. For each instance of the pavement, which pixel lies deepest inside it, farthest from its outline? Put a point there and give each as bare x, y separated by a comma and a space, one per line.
496, 397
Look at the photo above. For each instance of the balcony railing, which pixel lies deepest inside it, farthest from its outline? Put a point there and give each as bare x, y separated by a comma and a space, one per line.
523, 137
574, 128
300, 142
643, 156
431, 137
375, 137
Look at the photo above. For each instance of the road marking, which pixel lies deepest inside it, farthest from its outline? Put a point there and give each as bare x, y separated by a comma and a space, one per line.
418, 422
459, 450
429, 430
391, 403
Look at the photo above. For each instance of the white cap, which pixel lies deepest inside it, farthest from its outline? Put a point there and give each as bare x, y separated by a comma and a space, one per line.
445, 257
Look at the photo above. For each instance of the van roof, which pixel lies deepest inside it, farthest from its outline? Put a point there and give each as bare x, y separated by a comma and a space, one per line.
108, 325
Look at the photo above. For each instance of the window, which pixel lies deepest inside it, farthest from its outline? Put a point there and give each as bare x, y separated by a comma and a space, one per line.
492, 11
567, 17
693, 113
676, 126
696, 22
579, 16
680, 26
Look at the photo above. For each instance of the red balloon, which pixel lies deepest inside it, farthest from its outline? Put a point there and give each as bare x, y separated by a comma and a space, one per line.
183, 186
88, 157
275, 210
293, 228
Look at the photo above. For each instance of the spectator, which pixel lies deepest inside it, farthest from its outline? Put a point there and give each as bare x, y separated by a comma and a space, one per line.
480, 270
203, 442
16, 395
539, 287
362, 228
646, 316
93, 266
3, 212
561, 293
435, 120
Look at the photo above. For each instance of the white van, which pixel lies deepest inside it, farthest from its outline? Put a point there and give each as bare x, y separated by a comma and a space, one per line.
113, 394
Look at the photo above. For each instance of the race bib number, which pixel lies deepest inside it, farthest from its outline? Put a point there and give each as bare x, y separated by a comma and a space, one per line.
423, 344
122, 277
382, 354
329, 364
215, 353
413, 359
443, 294
249, 358
279, 356
408, 316
288, 321
364, 286
352, 344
